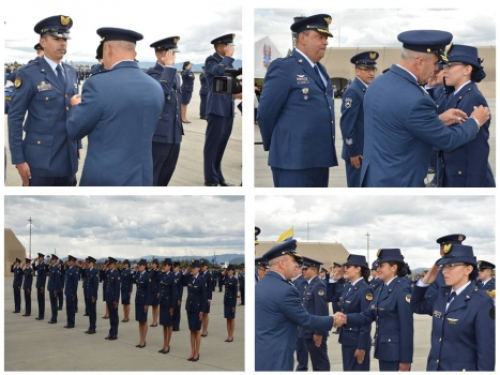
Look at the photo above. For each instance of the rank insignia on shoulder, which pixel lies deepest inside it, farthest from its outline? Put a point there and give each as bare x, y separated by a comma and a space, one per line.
348, 102
452, 321
18, 82
369, 296
408, 298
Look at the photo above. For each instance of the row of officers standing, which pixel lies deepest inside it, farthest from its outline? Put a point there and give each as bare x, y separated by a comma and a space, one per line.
161, 288
133, 120
294, 316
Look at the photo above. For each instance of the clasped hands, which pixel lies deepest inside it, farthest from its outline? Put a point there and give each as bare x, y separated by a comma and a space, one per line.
339, 319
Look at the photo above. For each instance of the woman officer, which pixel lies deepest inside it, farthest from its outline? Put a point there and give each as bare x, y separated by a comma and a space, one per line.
142, 301
230, 298
466, 166
186, 89
167, 292
196, 303
390, 309
463, 317
356, 298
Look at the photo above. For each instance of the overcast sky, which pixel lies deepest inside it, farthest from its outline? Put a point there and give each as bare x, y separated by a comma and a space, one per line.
380, 27
411, 223
195, 23
128, 226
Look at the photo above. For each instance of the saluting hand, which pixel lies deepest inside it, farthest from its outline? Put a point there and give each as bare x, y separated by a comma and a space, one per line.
168, 59
431, 275
24, 171
229, 49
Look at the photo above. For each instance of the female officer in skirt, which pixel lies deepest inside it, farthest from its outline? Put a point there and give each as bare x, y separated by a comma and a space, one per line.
230, 298
186, 89
142, 301
167, 292
463, 316
356, 298
390, 309
154, 276
196, 303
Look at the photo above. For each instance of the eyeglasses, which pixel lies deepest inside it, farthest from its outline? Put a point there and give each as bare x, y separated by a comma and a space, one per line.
449, 266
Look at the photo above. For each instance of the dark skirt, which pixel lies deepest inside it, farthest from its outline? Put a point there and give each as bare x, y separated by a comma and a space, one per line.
166, 319
125, 298
186, 97
228, 313
194, 321
155, 301
140, 315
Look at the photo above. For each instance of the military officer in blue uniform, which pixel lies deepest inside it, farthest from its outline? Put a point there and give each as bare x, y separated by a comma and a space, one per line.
83, 271
203, 94
46, 156
28, 282
168, 134
466, 166
54, 287
118, 110
241, 281
261, 265
91, 286
186, 88
230, 299
41, 281
18, 282
444, 242
352, 119
296, 114
356, 341
113, 298
62, 274
279, 311
167, 291
39, 53
99, 67
70, 291
178, 281
143, 299
154, 275
301, 349
209, 280
390, 309
485, 281
219, 111
336, 284
127, 286
401, 120
375, 281
103, 277
315, 303
463, 316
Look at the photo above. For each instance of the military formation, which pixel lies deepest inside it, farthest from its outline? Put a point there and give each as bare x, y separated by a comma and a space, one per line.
292, 310
159, 285
131, 141
396, 128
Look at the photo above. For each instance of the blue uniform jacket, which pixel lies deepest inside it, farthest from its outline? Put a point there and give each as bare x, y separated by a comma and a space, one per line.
462, 338
241, 280
97, 68
434, 287
401, 127
169, 128
119, 112
41, 275
127, 281
179, 282
490, 285
197, 293
231, 291
54, 279
296, 115
467, 165
209, 279
91, 283
46, 146
187, 81
203, 84
28, 278
315, 303
352, 120
113, 286
154, 278
278, 313
71, 282
18, 276
358, 299
143, 293
376, 283
168, 290
218, 104
394, 322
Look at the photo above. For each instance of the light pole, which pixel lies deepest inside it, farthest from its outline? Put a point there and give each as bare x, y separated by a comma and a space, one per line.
31, 222
367, 235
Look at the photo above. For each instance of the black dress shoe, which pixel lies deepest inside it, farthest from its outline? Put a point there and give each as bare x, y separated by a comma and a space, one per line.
195, 359
105, 317
90, 331
229, 340
203, 118
210, 184
175, 330
51, 322
224, 183
38, 318
60, 308
16, 312
125, 320
112, 337
69, 326
26, 314
85, 314
140, 346
154, 325
204, 335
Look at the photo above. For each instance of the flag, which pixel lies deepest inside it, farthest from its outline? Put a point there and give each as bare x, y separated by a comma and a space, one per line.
285, 235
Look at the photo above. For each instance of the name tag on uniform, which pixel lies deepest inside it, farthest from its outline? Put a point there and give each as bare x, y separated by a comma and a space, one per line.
43, 86
302, 79
347, 301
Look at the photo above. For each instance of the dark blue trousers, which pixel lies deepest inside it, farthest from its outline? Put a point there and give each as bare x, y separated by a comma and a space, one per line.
92, 313
353, 175
302, 355
52, 181
176, 319
113, 318
70, 311
40, 296
60, 296
203, 105
76, 303
53, 306
27, 299
350, 363
388, 365
17, 299
165, 156
310, 177
216, 137
319, 356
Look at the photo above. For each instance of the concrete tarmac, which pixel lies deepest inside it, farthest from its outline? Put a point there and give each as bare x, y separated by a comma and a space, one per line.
264, 177
189, 170
32, 345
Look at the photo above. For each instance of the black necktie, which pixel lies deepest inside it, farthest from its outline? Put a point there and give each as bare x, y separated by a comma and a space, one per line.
60, 76
316, 69
450, 299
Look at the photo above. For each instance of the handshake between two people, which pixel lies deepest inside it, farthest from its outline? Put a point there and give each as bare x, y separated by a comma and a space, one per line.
339, 319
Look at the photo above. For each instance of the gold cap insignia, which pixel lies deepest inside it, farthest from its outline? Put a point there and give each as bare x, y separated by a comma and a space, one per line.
447, 248
159, 47
65, 20
18, 82
479, 263
429, 50
369, 296
446, 51
175, 40
378, 252
407, 298
372, 55
103, 38
233, 36
328, 20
